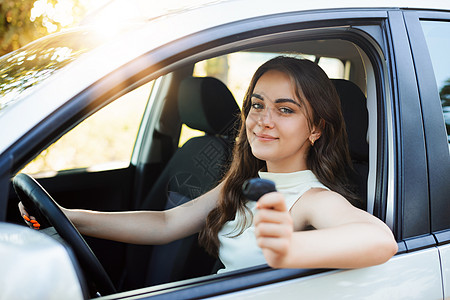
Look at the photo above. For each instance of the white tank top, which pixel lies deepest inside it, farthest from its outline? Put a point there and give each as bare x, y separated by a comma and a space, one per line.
237, 252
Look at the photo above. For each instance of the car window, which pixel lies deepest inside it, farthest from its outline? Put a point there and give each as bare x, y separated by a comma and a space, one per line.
437, 36
104, 140
236, 70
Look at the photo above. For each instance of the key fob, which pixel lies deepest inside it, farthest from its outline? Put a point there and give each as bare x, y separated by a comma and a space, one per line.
254, 188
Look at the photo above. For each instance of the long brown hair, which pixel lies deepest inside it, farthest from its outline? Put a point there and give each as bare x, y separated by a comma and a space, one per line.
328, 159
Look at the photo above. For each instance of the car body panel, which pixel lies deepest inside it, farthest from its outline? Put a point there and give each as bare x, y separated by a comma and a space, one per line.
444, 252
387, 281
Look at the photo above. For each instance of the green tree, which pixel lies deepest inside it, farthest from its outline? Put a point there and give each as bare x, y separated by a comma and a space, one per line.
18, 26
445, 93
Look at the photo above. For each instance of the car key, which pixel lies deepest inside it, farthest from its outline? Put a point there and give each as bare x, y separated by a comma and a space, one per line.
255, 188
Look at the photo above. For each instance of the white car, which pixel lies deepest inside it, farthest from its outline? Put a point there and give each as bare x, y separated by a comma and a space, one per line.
389, 61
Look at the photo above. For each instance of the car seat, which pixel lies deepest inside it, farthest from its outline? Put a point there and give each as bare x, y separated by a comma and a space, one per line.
354, 109
204, 104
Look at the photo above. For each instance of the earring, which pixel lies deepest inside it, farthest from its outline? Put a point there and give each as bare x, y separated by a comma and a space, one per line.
312, 142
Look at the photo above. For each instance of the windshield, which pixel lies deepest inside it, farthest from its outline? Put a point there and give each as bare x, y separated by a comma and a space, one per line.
23, 70
26, 68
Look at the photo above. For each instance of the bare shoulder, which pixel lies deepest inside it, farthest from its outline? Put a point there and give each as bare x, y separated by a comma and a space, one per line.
308, 206
320, 197
324, 208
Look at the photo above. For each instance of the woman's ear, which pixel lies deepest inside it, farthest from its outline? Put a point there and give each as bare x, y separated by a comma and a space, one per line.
316, 132
314, 136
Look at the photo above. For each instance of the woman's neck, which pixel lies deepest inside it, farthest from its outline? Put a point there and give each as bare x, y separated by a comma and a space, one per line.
282, 168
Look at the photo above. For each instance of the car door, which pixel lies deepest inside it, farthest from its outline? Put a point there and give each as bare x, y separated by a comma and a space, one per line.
430, 48
399, 176
398, 185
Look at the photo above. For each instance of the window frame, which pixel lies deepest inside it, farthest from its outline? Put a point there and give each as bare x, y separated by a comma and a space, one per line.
412, 204
263, 275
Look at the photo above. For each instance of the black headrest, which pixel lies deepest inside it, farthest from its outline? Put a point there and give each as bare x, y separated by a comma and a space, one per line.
354, 109
206, 104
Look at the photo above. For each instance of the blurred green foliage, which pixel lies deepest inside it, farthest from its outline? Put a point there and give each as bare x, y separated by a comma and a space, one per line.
18, 27
445, 93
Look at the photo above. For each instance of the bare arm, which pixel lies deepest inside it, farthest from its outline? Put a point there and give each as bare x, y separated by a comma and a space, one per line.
145, 227
346, 237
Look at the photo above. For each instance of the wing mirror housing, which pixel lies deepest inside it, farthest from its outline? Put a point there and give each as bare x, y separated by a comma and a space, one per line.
35, 266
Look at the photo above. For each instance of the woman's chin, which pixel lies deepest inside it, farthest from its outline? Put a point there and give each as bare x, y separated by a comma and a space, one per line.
262, 155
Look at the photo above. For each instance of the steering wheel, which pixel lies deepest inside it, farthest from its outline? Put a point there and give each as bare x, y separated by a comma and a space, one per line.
38, 202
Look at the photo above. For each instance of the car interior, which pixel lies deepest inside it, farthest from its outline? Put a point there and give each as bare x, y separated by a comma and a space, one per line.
184, 144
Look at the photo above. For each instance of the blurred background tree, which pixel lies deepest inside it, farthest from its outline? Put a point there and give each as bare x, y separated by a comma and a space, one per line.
26, 20
445, 93
445, 101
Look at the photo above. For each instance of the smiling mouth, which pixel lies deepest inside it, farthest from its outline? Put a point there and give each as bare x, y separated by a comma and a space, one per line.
265, 137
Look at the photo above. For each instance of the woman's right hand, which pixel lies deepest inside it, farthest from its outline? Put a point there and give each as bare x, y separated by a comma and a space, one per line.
30, 220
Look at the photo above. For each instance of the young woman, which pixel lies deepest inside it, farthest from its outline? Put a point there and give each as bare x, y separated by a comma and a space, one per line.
293, 133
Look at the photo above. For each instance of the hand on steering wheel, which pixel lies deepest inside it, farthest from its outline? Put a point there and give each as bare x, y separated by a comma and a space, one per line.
30, 220
40, 204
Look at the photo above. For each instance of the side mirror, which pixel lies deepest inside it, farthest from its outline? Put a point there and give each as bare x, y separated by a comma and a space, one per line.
35, 266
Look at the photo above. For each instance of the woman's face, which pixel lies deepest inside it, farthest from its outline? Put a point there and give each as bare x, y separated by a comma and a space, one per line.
277, 127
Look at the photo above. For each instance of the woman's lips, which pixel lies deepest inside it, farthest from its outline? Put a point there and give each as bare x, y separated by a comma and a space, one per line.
265, 137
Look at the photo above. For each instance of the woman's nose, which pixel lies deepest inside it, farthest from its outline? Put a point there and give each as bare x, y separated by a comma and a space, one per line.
265, 118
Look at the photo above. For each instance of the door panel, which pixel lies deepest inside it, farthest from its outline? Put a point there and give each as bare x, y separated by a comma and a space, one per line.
103, 190
406, 276
445, 260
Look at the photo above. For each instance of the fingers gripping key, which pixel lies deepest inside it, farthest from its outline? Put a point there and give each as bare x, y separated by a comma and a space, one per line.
255, 188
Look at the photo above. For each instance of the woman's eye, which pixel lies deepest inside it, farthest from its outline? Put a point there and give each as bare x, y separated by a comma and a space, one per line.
257, 106
286, 110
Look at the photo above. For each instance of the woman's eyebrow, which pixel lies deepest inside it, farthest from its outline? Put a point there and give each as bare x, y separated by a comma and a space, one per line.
283, 100
280, 100
255, 95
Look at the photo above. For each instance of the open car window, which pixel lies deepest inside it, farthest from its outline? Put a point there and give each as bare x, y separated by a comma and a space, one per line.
103, 141
236, 69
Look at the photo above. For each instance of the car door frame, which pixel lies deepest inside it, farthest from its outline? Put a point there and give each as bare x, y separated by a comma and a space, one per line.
405, 230
436, 138
396, 178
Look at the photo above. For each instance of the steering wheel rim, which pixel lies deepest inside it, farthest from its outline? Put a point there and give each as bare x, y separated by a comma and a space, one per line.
35, 197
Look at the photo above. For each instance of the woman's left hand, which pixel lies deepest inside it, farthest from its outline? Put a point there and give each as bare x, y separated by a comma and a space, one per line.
273, 228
